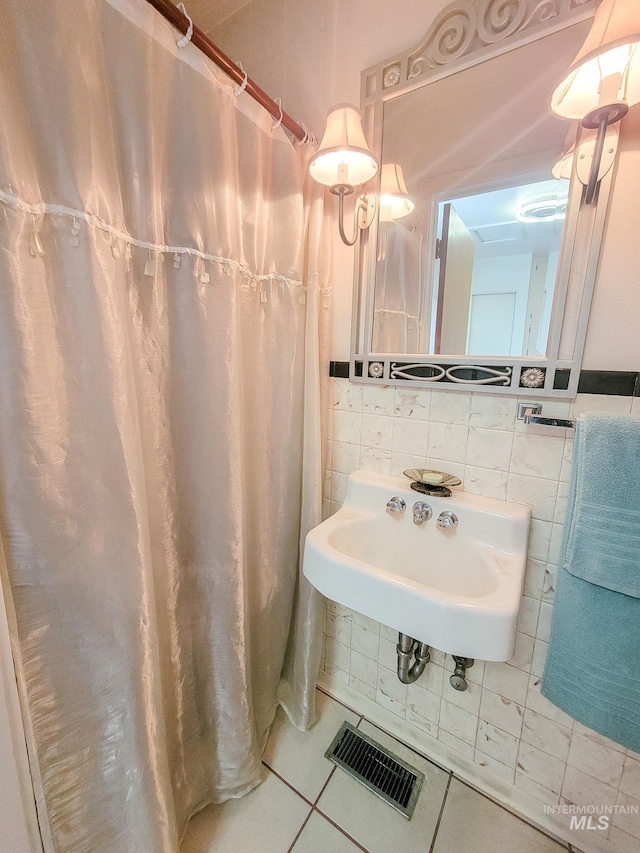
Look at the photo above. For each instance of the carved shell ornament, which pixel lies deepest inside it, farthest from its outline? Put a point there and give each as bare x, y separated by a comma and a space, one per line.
532, 377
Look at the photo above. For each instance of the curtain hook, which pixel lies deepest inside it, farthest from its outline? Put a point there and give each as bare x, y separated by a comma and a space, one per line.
277, 123
187, 36
240, 88
309, 136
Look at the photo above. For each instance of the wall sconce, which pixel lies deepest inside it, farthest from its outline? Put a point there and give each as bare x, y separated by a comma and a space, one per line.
601, 85
342, 162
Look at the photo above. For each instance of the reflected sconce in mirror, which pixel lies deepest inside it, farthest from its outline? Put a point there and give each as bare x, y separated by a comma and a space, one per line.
395, 202
600, 86
343, 161
563, 167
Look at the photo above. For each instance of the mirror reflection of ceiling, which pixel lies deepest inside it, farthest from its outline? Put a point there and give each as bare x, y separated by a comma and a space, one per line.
492, 219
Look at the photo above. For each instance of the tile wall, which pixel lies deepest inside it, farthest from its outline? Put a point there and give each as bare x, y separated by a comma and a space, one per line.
501, 723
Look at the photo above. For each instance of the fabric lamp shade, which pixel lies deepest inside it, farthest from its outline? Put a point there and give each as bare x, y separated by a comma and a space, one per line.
607, 68
563, 166
343, 156
394, 198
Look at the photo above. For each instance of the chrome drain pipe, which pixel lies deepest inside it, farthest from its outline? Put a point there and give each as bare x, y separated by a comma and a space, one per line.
407, 649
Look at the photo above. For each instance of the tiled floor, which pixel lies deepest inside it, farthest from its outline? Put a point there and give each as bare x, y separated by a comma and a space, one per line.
307, 805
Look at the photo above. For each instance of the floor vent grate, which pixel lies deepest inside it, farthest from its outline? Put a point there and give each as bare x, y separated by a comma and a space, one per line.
377, 769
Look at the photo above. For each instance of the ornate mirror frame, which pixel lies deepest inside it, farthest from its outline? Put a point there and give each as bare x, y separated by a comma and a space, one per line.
464, 34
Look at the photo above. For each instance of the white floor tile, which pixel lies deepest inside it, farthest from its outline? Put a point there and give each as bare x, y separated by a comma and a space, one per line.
374, 824
472, 822
299, 756
264, 821
319, 836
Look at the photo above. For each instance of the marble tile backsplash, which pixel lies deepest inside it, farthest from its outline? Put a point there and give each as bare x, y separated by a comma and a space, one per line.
502, 722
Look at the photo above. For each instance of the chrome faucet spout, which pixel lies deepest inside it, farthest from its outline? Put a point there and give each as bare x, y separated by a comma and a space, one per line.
421, 512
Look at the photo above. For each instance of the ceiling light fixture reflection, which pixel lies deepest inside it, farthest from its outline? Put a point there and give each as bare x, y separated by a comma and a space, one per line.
542, 210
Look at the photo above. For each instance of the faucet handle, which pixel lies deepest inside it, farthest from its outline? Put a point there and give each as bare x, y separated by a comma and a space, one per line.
396, 505
447, 520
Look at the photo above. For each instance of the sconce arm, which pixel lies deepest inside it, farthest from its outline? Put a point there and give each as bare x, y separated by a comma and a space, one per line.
345, 239
361, 214
597, 159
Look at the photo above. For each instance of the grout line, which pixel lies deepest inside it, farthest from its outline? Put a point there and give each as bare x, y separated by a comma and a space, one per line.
444, 801
340, 829
299, 832
288, 784
322, 790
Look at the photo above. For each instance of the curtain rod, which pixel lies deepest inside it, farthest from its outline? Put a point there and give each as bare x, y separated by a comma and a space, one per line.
180, 21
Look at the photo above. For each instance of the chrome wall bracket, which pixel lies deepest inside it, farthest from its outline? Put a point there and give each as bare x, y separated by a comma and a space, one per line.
530, 413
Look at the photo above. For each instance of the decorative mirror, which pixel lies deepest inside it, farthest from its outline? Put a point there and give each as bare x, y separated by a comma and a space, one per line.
479, 270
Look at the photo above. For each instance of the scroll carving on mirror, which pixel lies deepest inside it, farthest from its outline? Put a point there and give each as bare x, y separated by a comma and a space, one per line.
483, 277
467, 27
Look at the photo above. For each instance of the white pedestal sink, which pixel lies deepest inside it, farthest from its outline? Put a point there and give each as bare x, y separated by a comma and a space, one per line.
457, 590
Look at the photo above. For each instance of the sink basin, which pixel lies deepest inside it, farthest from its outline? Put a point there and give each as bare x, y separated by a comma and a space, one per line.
457, 590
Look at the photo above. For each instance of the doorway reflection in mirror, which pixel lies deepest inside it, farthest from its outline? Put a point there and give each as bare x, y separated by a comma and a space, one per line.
492, 282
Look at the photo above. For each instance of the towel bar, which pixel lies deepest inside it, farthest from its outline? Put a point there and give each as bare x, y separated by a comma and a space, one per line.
530, 413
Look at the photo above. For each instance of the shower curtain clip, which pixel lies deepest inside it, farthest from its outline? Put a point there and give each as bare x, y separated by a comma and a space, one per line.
150, 266
240, 89
75, 230
115, 248
187, 36
277, 123
36, 249
176, 260
205, 278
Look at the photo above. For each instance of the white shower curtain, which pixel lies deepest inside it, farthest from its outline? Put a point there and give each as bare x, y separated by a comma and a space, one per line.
399, 292
163, 322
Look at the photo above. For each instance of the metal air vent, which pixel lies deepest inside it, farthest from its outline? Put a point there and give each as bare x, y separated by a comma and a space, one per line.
377, 769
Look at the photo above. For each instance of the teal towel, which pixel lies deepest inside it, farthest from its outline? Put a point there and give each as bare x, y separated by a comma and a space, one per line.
602, 528
593, 666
